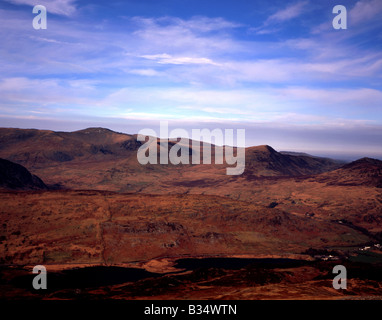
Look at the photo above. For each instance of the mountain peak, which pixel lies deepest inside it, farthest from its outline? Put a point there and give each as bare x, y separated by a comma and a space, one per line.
92, 130
363, 162
262, 148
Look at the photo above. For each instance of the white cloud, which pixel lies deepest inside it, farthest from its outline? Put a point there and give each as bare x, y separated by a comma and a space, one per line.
365, 11
165, 58
180, 37
364, 16
50, 93
196, 24
354, 101
48, 40
268, 104
261, 71
221, 110
290, 12
60, 7
177, 66
203, 24
145, 72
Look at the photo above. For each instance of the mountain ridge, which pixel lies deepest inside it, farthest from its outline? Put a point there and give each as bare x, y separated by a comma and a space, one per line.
102, 159
364, 171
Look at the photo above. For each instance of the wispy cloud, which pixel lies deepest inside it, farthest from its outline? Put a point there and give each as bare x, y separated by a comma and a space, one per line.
363, 16
198, 24
365, 11
145, 72
202, 23
290, 12
165, 58
184, 37
60, 7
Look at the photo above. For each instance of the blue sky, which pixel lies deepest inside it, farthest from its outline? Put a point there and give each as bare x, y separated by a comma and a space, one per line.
276, 68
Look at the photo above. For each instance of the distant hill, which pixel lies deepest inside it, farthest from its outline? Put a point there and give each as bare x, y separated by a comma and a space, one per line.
15, 176
303, 154
265, 161
98, 158
32, 147
365, 171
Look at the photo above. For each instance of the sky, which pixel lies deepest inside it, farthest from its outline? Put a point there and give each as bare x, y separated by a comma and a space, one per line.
277, 69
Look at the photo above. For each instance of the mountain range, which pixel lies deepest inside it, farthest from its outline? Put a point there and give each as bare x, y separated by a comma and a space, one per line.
108, 160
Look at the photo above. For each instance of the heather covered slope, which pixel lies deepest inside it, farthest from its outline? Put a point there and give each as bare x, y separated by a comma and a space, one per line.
265, 161
109, 228
365, 171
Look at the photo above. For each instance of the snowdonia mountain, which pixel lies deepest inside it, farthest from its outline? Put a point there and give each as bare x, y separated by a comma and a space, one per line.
101, 159
98, 158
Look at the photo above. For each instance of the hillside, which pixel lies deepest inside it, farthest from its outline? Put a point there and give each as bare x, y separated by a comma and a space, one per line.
97, 158
16, 177
265, 161
365, 171
38, 148
109, 228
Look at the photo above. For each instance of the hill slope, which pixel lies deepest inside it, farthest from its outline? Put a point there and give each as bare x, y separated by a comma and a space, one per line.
36, 148
15, 176
365, 171
265, 161
98, 158
108, 228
